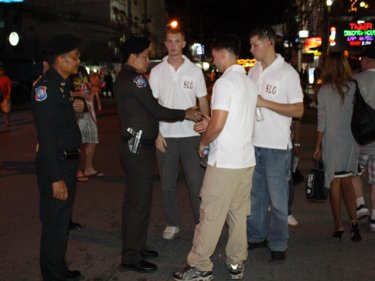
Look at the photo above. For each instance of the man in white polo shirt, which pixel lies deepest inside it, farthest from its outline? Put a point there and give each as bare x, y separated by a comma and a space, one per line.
280, 98
227, 182
177, 83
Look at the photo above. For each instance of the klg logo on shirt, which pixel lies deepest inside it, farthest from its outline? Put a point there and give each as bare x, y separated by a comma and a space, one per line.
270, 89
188, 85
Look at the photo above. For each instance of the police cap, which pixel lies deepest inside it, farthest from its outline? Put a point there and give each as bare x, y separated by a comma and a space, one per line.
62, 44
134, 45
369, 52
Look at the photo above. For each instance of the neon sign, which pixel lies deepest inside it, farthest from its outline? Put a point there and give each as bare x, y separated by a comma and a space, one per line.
359, 34
332, 36
313, 42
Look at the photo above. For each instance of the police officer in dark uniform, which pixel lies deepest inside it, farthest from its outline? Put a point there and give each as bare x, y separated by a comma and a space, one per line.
139, 115
57, 156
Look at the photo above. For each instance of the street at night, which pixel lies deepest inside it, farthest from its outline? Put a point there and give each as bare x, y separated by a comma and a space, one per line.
156, 60
313, 254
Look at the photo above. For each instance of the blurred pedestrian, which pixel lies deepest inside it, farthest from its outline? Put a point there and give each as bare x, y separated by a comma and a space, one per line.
139, 115
95, 90
296, 141
82, 88
227, 182
178, 83
280, 98
366, 83
57, 157
108, 82
335, 143
6, 91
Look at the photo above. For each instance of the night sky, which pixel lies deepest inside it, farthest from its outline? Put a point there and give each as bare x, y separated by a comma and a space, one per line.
206, 19
212, 17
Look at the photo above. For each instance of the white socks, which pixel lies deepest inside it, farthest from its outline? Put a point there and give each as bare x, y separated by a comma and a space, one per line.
360, 201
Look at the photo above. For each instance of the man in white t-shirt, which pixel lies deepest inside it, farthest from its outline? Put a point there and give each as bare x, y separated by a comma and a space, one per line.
280, 98
177, 83
366, 83
227, 182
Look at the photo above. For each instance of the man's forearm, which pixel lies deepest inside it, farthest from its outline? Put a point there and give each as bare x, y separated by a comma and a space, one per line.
289, 110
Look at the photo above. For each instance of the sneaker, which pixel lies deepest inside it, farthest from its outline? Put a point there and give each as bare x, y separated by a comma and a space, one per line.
170, 232
362, 211
292, 221
372, 224
278, 255
236, 271
193, 274
255, 245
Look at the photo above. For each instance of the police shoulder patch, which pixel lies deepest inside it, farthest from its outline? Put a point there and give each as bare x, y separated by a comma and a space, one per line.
140, 81
41, 93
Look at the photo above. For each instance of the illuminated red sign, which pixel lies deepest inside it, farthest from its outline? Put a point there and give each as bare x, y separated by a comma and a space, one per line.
313, 42
359, 34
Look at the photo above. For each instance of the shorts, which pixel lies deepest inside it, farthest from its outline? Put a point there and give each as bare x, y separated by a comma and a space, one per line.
369, 161
5, 106
88, 127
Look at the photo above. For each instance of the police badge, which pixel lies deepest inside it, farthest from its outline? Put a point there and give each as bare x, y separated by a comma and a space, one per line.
140, 81
41, 93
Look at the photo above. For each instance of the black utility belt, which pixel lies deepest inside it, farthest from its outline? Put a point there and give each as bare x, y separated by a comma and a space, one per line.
144, 142
71, 154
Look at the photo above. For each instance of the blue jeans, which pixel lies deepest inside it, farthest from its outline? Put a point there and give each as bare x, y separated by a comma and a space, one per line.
270, 188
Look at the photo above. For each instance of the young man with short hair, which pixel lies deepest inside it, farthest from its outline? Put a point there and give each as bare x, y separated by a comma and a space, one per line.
280, 98
178, 83
227, 182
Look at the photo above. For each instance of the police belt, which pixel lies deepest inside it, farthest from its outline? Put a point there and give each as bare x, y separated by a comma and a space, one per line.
144, 142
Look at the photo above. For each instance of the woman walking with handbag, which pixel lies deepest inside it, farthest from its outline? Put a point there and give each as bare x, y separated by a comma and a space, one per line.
335, 142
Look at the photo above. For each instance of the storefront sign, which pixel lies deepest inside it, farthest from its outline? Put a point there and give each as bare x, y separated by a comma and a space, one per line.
313, 42
359, 34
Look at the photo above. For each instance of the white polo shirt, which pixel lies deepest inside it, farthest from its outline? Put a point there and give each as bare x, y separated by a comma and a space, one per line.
177, 89
236, 93
280, 83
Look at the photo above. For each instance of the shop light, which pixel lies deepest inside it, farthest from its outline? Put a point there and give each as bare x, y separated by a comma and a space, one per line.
14, 38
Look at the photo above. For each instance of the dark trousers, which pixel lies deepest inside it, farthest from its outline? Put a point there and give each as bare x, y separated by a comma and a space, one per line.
55, 216
137, 201
184, 149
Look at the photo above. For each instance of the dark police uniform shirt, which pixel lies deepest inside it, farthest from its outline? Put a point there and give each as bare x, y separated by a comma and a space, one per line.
137, 107
57, 129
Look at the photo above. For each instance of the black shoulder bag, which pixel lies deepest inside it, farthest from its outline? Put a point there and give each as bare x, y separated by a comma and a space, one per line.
363, 119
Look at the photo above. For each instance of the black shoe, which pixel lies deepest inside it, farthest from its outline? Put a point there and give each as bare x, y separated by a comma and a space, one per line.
338, 234
254, 245
278, 255
149, 254
143, 266
74, 274
356, 236
74, 225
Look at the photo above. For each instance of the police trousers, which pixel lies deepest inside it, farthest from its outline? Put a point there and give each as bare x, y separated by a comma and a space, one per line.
54, 217
136, 210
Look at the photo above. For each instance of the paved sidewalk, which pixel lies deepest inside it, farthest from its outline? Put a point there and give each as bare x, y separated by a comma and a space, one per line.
313, 255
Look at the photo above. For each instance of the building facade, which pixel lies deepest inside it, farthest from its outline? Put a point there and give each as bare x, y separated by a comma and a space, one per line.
102, 24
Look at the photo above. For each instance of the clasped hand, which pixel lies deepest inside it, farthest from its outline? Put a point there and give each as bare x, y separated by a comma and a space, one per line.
193, 114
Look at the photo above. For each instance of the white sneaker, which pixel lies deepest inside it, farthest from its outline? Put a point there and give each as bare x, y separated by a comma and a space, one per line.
362, 212
292, 221
236, 271
170, 232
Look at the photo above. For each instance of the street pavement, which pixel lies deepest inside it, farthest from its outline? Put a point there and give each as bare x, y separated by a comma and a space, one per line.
313, 255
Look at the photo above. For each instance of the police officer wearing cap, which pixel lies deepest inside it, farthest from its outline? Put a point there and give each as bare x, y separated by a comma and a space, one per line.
57, 156
139, 115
